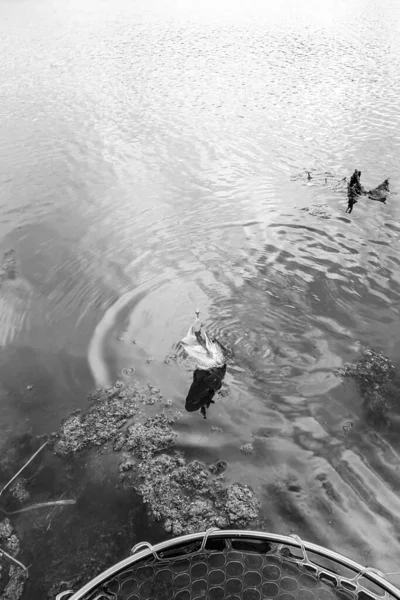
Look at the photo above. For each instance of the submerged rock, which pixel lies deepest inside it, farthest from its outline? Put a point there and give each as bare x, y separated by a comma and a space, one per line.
184, 496
98, 424
14, 586
219, 467
16, 583
8, 266
19, 490
152, 436
247, 448
171, 357
5, 530
119, 441
12, 545
377, 407
126, 464
109, 410
187, 499
148, 395
372, 374
98, 395
8, 539
372, 371
241, 505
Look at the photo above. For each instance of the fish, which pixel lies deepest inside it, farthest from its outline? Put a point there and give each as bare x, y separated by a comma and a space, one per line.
207, 352
204, 386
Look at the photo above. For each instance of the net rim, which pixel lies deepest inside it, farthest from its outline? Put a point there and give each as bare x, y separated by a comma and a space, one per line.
138, 554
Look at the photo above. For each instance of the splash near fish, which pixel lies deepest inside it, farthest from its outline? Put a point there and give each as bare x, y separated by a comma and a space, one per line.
206, 351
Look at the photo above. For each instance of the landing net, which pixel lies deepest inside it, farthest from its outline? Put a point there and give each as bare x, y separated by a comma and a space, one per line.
236, 565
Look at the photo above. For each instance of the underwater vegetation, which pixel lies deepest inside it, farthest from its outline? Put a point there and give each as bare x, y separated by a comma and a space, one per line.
186, 497
372, 373
12, 575
136, 424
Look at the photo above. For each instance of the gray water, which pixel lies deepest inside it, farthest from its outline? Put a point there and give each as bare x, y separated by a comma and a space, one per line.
152, 160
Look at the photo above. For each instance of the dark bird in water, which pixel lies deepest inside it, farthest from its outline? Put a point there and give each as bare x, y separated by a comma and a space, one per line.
381, 192
351, 201
355, 190
204, 386
308, 175
355, 182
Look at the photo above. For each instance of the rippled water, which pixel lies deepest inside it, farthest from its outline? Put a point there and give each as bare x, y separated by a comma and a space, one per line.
152, 159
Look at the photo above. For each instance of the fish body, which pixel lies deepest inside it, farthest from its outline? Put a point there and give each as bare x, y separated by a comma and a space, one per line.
204, 386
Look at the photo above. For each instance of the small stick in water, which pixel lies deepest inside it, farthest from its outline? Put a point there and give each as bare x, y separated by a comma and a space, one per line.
13, 559
42, 505
25, 465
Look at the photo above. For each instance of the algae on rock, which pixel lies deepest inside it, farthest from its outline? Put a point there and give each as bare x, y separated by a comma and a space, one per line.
247, 448
152, 436
185, 497
372, 374
15, 585
109, 410
372, 371
8, 266
9, 542
99, 423
19, 490
8, 539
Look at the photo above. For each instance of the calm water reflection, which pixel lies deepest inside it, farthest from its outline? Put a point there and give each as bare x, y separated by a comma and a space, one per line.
149, 155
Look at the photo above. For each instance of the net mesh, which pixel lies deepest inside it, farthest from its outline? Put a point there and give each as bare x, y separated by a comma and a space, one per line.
221, 572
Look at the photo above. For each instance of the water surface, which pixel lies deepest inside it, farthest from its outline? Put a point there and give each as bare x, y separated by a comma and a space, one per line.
152, 160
